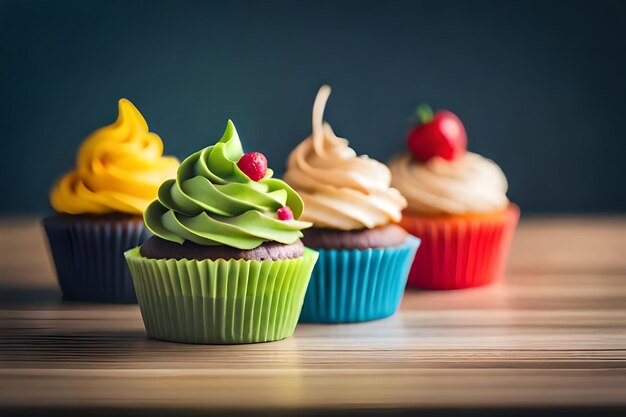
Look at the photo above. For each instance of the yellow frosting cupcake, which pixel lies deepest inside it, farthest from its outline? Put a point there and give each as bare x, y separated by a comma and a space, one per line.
100, 205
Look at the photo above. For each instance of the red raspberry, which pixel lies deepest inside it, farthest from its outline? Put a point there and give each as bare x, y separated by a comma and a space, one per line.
285, 213
254, 165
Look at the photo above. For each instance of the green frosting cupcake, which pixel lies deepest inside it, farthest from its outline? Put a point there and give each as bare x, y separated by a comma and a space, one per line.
213, 202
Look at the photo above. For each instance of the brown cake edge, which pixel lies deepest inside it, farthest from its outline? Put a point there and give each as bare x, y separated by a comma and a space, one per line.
380, 237
157, 248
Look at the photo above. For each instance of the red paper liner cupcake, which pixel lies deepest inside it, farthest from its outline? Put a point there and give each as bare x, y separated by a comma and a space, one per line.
460, 251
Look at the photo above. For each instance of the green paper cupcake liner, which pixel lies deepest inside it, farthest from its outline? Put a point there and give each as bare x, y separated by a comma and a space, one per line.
220, 302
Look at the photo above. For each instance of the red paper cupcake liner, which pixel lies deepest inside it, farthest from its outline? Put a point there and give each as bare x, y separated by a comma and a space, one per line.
461, 251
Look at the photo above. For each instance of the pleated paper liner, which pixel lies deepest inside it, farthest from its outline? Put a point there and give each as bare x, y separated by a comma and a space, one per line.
88, 253
461, 251
220, 302
351, 285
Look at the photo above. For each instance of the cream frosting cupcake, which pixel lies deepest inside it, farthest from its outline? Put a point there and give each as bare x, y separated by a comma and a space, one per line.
353, 208
457, 205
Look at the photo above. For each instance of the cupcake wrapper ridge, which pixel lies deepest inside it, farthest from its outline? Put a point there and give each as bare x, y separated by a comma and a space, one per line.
461, 252
220, 302
89, 257
351, 285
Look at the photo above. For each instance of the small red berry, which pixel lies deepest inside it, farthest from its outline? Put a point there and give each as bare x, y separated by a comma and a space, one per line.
440, 134
285, 213
254, 165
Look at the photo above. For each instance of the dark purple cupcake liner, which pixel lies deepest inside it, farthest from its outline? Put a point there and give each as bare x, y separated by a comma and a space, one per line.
88, 253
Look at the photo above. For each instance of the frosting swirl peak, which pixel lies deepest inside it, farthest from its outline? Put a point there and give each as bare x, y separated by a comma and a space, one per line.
118, 169
212, 202
340, 189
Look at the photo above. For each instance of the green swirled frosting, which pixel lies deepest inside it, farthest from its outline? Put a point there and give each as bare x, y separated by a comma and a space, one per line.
212, 202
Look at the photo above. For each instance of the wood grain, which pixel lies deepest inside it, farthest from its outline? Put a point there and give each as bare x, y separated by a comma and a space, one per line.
551, 336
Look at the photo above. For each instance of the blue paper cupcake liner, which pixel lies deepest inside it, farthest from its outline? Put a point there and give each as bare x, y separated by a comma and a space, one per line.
351, 285
88, 254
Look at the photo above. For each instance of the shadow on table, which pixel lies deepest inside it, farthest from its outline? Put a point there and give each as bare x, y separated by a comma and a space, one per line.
422, 412
32, 297
16, 297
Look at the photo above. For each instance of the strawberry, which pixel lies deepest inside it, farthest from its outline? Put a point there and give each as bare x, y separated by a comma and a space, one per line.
441, 134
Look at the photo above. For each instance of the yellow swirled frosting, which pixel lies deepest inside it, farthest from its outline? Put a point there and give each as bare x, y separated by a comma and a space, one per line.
119, 168
340, 190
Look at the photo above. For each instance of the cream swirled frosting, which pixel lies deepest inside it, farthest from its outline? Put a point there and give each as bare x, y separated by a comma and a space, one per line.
468, 184
119, 168
340, 190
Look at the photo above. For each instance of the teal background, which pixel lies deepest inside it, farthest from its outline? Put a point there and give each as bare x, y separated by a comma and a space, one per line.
540, 86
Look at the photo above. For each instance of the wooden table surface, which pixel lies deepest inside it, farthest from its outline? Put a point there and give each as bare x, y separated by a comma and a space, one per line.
551, 336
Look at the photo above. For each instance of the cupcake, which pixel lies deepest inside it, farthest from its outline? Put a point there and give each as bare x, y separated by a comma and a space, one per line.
99, 207
457, 205
364, 258
225, 264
